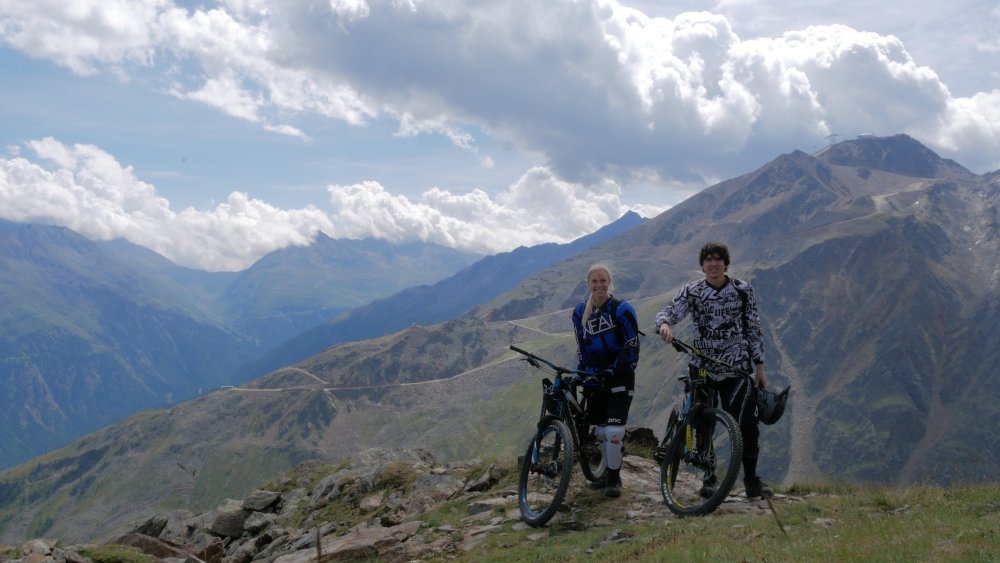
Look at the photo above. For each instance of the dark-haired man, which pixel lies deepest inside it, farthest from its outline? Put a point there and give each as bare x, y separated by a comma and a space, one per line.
727, 328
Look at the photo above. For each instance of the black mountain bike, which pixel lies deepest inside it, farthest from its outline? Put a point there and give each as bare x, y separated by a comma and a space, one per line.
702, 447
562, 431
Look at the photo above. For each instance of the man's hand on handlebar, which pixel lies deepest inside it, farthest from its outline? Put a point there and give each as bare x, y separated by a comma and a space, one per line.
666, 334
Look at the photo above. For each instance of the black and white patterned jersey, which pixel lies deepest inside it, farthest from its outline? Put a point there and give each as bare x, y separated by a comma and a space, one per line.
726, 326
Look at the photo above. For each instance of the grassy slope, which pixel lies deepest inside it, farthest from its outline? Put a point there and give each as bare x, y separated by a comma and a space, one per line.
917, 524
842, 523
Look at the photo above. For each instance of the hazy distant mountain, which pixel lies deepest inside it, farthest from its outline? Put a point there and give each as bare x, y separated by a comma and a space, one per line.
434, 303
96, 331
88, 339
877, 265
294, 289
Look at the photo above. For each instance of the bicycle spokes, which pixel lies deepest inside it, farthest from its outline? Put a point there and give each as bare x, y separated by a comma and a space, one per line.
545, 473
695, 479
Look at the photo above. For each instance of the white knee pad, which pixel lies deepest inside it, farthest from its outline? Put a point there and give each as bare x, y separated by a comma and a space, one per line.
614, 446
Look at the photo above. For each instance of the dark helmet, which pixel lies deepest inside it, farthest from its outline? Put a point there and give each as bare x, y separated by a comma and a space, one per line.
770, 406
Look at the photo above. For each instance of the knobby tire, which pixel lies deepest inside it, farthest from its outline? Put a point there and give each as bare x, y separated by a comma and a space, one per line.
545, 473
683, 472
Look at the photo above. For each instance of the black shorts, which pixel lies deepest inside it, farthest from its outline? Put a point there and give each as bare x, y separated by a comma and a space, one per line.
610, 405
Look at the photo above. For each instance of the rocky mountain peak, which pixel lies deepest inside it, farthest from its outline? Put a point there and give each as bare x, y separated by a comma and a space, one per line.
898, 154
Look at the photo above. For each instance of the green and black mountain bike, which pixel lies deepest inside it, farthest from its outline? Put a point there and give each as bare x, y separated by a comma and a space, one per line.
562, 433
702, 448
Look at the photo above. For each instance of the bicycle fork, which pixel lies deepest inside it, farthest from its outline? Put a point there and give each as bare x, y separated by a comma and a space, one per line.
551, 467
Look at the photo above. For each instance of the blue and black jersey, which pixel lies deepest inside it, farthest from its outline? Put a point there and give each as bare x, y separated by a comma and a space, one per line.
609, 339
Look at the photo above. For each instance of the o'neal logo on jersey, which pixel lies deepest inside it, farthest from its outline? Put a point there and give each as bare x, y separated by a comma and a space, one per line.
597, 324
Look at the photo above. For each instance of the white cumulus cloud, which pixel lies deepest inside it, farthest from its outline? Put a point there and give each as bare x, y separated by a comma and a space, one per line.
604, 96
538, 208
86, 189
600, 89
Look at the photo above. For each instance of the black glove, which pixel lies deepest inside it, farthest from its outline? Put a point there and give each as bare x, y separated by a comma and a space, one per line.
595, 382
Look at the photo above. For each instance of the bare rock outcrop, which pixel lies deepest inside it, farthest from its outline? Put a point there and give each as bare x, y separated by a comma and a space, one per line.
383, 504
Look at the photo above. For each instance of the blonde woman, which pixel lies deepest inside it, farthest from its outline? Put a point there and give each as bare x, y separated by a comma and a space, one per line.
607, 336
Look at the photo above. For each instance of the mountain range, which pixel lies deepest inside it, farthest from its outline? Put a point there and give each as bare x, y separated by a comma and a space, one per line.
97, 330
433, 303
876, 264
94, 331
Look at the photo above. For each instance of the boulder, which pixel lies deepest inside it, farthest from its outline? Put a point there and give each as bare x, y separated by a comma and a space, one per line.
151, 546
261, 501
228, 519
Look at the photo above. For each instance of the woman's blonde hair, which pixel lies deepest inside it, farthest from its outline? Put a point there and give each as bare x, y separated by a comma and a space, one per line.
589, 307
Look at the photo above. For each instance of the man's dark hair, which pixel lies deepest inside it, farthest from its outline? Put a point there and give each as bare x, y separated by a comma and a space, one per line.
714, 249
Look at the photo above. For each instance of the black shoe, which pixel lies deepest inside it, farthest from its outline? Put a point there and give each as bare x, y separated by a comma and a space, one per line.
613, 484
613, 491
755, 487
597, 485
708, 486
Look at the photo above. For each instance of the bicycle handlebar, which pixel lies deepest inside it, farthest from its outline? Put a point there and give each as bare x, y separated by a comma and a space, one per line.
534, 361
686, 348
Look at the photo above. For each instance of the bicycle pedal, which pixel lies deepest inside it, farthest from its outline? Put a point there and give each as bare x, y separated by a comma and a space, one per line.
659, 453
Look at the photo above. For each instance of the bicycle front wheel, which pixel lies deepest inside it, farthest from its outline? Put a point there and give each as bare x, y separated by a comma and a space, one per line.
545, 473
701, 463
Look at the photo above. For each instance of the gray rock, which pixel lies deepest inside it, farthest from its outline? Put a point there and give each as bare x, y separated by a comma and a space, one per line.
309, 539
37, 547
178, 526
261, 501
258, 521
152, 546
641, 437
363, 542
228, 519
484, 482
152, 527
431, 489
328, 489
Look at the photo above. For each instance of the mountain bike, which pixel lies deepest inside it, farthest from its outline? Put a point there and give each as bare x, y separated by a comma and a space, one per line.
702, 448
562, 433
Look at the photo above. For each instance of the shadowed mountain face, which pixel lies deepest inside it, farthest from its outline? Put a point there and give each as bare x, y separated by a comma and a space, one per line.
877, 269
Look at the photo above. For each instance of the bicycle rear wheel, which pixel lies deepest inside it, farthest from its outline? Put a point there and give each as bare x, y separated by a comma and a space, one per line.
696, 476
592, 455
545, 473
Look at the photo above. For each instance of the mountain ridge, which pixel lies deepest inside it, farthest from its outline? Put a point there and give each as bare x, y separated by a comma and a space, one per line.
865, 307
475, 284
97, 330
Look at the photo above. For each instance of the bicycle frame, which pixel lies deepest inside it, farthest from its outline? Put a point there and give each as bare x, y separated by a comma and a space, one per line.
690, 445
693, 404
560, 392
560, 439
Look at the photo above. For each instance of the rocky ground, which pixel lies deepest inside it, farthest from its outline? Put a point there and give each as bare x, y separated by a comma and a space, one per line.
393, 505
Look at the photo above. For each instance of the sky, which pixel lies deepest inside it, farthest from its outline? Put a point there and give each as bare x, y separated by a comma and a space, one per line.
216, 132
